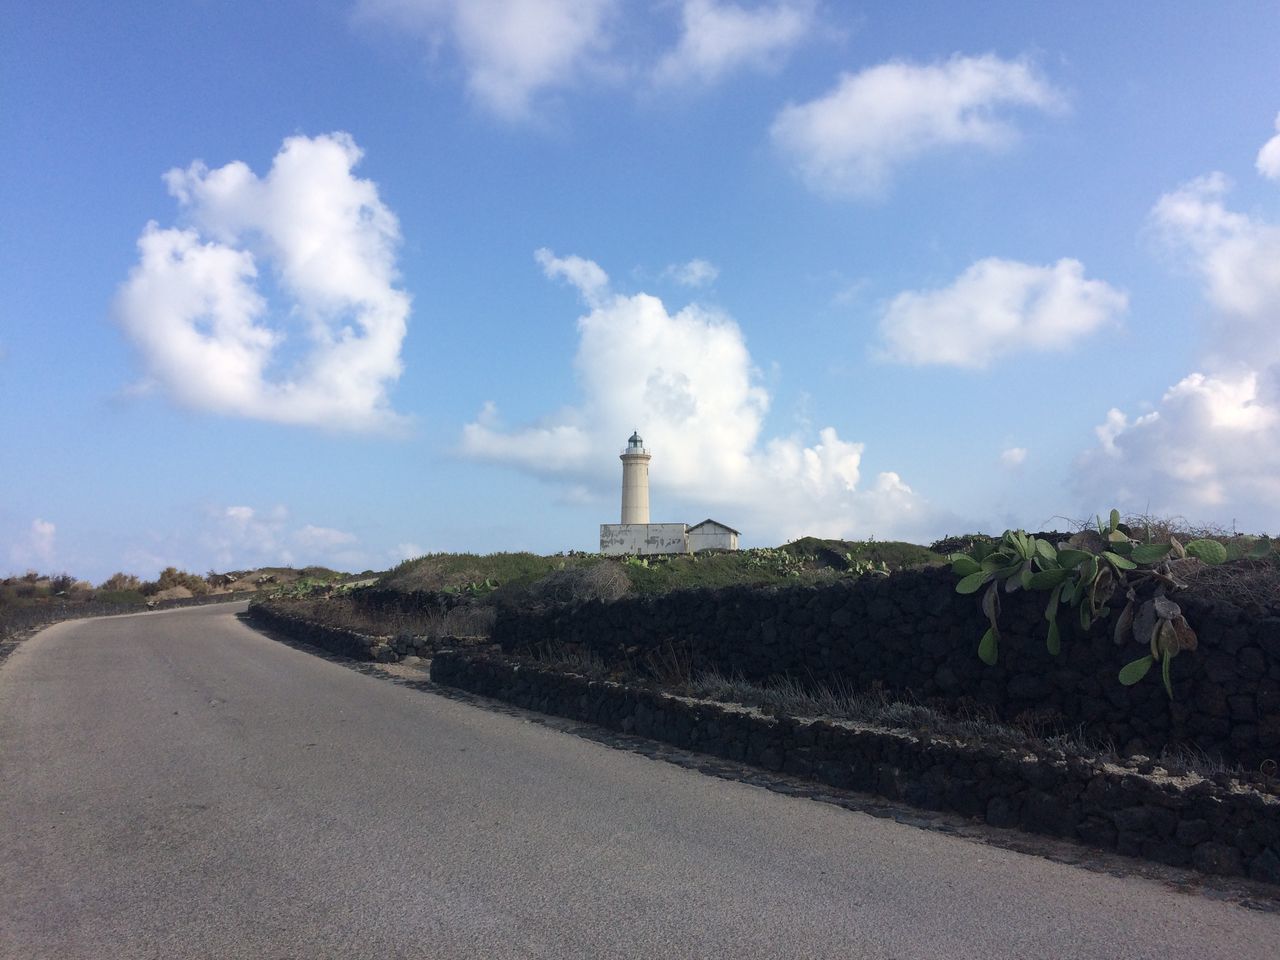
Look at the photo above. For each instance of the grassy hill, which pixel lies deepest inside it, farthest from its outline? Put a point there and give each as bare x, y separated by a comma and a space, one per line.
806, 559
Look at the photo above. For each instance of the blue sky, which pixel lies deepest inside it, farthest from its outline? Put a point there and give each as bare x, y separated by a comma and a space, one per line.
342, 282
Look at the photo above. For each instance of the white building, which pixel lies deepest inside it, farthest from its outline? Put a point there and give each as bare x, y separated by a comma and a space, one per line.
712, 535
636, 535
620, 539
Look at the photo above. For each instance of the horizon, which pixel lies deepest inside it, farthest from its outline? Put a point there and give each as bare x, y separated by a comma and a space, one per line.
347, 282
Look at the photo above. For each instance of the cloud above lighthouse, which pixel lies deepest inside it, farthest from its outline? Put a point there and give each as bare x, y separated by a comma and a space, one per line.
687, 380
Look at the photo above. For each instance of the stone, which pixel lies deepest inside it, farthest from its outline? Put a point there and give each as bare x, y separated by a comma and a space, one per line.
1026, 686
1244, 736
1133, 820
1217, 858
1266, 832
1096, 832
1241, 707
1092, 710
880, 610
1166, 852
1265, 867
1269, 697
940, 603
1045, 813
946, 679
1001, 812
1252, 662
1220, 668
1191, 833
1163, 821
1267, 631
1130, 844
1211, 700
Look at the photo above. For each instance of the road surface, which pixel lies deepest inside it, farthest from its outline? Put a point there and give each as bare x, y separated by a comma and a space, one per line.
176, 785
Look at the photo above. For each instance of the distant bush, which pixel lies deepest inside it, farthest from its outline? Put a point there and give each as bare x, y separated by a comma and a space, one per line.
605, 581
62, 583
861, 554
118, 582
959, 544
319, 573
171, 577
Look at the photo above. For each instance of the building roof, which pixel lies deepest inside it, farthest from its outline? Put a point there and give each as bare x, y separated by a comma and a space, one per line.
635, 439
715, 523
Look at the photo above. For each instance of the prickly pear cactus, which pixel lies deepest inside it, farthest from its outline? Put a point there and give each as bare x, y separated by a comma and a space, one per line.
1085, 574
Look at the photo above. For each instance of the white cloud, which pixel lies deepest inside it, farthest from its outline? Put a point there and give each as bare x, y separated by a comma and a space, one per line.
1013, 456
694, 273
997, 308
193, 306
42, 536
242, 537
313, 538
1238, 260
1269, 156
37, 547
717, 38
687, 380
513, 51
1211, 448
849, 141
406, 551
586, 275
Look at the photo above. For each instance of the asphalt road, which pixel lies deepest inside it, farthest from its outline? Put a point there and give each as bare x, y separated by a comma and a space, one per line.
176, 785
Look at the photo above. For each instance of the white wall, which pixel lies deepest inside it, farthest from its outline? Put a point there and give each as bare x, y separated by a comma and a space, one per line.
712, 537
621, 539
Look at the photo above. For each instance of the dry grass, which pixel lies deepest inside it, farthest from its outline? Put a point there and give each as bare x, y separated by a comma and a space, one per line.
441, 571
1244, 583
605, 581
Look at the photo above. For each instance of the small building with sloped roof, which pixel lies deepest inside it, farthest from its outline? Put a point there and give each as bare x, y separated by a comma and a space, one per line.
712, 535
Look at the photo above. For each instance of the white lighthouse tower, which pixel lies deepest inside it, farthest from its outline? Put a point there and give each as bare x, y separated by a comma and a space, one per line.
635, 481
636, 536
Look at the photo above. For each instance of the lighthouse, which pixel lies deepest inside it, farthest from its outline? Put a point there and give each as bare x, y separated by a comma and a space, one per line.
636, 536
635, 481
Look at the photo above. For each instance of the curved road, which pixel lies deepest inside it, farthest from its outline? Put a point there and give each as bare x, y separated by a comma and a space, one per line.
176, 785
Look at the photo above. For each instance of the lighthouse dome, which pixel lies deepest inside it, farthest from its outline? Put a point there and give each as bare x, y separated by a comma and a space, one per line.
635, 440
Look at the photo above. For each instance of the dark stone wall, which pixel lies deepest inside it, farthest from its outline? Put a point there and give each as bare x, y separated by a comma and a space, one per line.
912, 634
346, 643
277, 617
1193, 822
377, 601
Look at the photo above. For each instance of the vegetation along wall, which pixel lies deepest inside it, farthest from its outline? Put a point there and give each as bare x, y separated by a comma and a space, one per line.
912, 634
